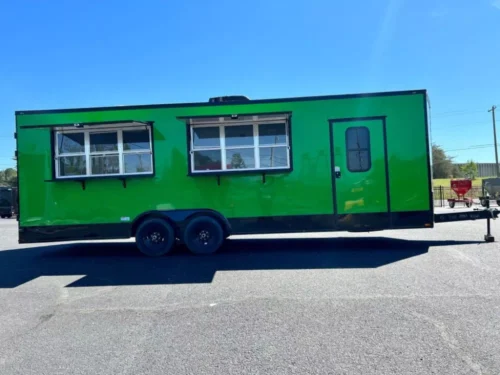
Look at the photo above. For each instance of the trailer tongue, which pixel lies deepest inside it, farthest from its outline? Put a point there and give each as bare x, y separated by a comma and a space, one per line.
477, 214
461, 188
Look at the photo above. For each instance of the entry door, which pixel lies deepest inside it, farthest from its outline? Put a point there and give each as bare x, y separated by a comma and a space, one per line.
359, 175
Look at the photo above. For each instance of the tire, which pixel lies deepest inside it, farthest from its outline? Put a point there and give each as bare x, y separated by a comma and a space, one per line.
155, 237
483, 202
468, 204
452, 204
203, 235
498, 202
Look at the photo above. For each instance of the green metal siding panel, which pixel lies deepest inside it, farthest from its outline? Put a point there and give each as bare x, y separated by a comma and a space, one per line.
407, 155
304, 191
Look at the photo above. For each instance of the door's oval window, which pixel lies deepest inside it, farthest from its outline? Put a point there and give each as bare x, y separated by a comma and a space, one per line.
358, 149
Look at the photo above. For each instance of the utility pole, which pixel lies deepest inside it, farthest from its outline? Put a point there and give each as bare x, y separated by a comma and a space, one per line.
492, 110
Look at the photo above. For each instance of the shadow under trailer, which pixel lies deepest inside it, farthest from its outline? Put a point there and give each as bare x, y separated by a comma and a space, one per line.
196, 173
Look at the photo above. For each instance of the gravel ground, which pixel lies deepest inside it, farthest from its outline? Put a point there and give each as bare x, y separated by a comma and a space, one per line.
393, 302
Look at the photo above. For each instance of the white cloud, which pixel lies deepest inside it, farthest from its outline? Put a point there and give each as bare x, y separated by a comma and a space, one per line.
496, 4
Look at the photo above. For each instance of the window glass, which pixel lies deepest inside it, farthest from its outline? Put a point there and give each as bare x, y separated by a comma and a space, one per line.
358, 161
72, 166
357, 138
238, 141
5, 197
272, 134
103, 142
70, 143
105, 164
137, 163
358, 149
207, 160
206, 137
273, 157
136, 140
239, 135
241, 158
99, 147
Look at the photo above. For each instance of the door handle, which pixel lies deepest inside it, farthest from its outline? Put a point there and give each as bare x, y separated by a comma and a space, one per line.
337, 172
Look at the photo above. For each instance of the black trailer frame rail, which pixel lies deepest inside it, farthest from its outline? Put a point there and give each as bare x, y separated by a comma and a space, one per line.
477, 214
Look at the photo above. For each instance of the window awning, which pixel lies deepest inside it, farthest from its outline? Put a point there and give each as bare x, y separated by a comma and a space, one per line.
235, 119
82, 125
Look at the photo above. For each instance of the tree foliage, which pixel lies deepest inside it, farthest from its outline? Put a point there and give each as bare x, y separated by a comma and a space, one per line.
8, 177
237, 161
442, 164
469, 170
457, 171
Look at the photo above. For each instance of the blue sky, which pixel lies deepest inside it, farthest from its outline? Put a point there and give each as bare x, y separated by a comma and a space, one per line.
58, 54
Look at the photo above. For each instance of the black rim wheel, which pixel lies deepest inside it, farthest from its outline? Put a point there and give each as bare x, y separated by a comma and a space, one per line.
203, 235
155, 237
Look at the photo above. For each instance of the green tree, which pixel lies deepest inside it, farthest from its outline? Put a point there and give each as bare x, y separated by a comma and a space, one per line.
469, 170
442, 164
8, 177
457, 171
237, 161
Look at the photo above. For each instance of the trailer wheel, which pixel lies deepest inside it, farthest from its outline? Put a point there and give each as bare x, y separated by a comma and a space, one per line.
155, 237
203, 235
498, 202
468, 203
452, 204
483, 202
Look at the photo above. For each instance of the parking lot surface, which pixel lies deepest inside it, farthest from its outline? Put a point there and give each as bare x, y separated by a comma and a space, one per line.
393, 302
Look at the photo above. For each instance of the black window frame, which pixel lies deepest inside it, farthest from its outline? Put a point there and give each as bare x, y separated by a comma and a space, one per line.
358, 149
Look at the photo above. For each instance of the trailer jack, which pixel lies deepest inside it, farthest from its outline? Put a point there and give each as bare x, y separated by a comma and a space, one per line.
477, 214
488, 237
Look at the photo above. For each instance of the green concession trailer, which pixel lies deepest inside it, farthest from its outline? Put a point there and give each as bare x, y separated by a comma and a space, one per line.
196, 173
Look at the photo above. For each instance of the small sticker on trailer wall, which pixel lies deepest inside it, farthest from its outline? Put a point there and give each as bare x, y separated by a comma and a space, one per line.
125, 218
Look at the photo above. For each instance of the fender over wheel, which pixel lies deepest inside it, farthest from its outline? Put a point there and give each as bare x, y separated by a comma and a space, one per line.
155, 237
203, 235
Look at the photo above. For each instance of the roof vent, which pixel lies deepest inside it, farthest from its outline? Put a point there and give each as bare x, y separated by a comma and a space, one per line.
229, 99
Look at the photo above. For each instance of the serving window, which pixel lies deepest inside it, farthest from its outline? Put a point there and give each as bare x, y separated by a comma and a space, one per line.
252, 143
103, 150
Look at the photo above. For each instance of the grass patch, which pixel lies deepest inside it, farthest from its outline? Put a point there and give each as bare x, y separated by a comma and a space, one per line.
445, 182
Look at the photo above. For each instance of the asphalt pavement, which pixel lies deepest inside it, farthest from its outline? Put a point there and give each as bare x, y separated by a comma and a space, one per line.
392, 302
